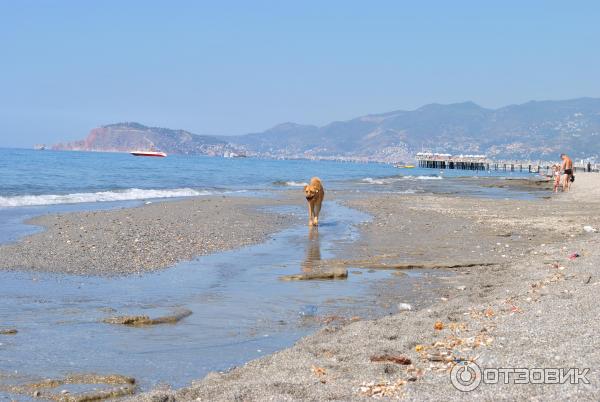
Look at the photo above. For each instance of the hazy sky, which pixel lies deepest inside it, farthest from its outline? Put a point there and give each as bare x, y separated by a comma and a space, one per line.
225, 67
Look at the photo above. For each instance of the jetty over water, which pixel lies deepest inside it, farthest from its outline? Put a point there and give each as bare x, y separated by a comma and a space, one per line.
482, 162
447, 161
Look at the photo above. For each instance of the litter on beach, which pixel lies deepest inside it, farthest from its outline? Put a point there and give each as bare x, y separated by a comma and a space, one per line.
398, 359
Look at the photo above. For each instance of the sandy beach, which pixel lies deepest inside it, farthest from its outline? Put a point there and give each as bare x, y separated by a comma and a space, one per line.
510, 297
533, 306
143, 239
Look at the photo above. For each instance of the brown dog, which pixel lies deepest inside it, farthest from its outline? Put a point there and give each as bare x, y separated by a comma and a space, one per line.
314, 193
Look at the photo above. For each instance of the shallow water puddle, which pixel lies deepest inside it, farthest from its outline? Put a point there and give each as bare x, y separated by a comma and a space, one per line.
241, 309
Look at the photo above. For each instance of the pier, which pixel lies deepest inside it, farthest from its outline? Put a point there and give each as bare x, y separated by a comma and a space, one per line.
482, 162
447, 161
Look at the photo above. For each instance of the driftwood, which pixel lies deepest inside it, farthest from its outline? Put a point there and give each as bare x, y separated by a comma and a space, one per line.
398, 359
370, 264
335, 274
411, 265
143, 320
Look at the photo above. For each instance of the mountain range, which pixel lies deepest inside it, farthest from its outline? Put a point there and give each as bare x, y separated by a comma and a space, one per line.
533, 130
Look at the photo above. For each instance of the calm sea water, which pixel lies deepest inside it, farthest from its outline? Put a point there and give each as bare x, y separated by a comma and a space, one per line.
29, 178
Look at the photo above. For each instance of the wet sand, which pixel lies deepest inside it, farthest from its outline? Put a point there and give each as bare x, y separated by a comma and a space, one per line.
532, 306
143, 239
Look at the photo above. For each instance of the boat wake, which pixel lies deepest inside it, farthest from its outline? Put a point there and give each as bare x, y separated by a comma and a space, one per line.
102, 196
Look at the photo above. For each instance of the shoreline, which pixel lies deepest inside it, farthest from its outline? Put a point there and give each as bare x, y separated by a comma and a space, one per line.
512, 314
507, 232
142, 239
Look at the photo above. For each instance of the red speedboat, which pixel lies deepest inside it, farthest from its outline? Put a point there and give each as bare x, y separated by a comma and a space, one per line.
149, 153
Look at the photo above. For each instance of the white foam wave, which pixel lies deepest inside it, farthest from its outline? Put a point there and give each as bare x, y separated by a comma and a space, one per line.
370, 180
290, 183
102, 196
425, 177
296, 184
389, 180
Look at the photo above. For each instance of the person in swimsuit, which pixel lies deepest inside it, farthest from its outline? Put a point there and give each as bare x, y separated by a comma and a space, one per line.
556, 176
567, 168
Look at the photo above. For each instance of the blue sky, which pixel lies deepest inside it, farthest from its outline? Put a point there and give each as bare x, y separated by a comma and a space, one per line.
233, 67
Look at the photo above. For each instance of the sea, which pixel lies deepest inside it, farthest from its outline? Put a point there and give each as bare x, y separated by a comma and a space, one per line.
241, 310
38, 178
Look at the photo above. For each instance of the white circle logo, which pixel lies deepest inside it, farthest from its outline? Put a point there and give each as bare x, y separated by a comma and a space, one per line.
465, 376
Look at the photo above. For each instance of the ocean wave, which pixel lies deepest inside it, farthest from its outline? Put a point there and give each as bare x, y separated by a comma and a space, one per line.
432, 177
102, 196
290, 183
390, 180
371, 180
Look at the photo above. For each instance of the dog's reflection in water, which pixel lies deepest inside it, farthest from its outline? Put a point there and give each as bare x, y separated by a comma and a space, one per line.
313, 250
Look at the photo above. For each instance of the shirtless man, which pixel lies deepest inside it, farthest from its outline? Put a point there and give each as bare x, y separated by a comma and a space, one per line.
567, 168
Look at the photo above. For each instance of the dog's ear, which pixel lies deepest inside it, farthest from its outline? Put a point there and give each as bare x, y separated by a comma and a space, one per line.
305, 187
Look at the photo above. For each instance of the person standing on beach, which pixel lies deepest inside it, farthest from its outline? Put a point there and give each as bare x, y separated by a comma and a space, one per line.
567, 168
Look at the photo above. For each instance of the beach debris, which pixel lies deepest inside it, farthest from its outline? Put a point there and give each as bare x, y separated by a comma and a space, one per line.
404, 307
588, 280
573, 256
440, 265
335, 274
443, 356
8, 331
537, 286
308, 311
489, 313
320, 373
318, 370
514, 309
328, 319
144, 320
414, 373
590, 229
438, 326
382, 389
398, 359
119, 386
